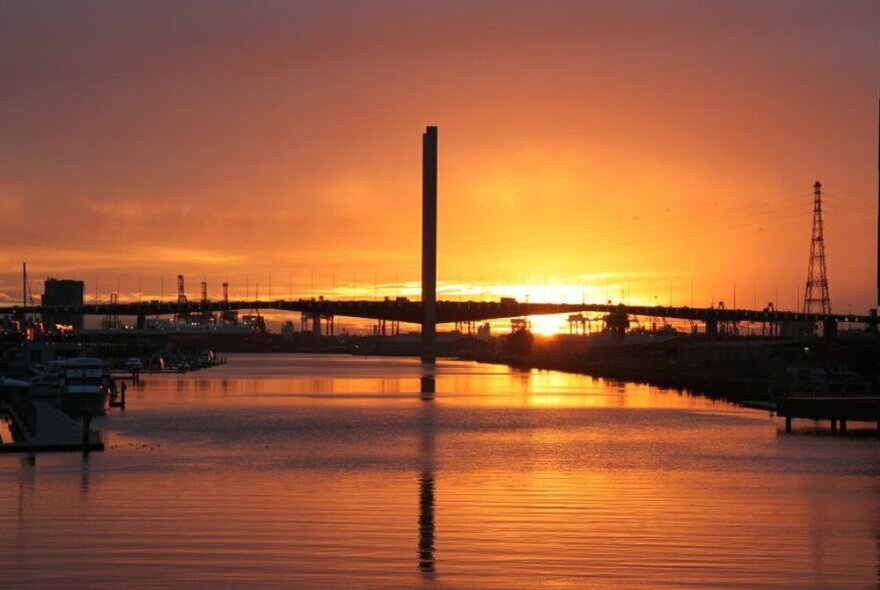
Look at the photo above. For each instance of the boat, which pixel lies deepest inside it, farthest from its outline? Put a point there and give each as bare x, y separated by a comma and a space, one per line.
85, 386
29, 358
45, 381
245, 334
133, 364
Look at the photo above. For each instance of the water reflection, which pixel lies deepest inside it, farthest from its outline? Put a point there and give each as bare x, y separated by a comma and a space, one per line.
877, 541
428, 388
27, 476
426, 525
26, 483
426, 482
542, 478
84, 478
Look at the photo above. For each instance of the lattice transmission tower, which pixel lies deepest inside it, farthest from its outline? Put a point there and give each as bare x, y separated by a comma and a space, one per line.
816, 298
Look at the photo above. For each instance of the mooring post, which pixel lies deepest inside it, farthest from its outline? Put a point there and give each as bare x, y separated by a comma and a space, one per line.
833, 426
788, 423
123, 395
87, 422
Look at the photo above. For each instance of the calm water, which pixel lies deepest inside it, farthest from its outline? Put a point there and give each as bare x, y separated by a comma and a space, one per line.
333, 471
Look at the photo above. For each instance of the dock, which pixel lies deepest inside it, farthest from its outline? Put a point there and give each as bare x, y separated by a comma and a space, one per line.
839, 410
49, 429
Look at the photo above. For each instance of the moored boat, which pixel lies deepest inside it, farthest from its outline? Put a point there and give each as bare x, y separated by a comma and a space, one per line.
85, 386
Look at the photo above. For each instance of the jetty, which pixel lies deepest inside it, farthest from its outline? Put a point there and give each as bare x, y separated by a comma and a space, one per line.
43, 427
839, 410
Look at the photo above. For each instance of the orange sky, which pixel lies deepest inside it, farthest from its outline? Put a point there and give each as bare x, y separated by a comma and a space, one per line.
587, 149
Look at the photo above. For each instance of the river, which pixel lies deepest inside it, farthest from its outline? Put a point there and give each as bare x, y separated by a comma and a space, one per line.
347, 472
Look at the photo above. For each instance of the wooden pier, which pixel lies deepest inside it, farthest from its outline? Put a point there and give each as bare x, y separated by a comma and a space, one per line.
839, 410
51, 430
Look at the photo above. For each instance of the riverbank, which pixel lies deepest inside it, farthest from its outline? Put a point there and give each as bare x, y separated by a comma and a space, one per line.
738, 370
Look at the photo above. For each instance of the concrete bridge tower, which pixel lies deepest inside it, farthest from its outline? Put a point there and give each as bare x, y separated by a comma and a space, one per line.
429, 245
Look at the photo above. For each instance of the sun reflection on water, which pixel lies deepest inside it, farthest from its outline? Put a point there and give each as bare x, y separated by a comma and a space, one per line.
351, 472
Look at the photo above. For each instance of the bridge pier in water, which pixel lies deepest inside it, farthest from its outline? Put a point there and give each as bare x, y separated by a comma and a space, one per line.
711, 328
381, 328
311, 322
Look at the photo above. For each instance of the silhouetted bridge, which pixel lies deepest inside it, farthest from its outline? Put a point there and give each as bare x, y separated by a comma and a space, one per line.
447, 311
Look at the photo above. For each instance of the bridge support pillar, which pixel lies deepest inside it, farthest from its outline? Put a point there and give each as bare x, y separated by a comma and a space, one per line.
712, 328
330, 325
429, 245
141, 321
829, 328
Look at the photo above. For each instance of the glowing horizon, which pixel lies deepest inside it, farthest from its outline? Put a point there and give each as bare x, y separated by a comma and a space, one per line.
639, 291
607, 289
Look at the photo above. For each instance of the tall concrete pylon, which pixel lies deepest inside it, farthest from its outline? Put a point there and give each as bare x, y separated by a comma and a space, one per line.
429, 245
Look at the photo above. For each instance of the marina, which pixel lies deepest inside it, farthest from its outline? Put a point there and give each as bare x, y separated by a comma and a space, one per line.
344, 472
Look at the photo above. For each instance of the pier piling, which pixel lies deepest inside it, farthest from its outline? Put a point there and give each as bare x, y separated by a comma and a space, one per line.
86, 440
838, 411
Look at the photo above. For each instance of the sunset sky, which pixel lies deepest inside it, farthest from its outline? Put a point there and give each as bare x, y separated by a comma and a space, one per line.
665, 151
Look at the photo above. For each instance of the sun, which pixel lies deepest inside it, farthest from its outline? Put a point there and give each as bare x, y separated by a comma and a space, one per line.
547, 325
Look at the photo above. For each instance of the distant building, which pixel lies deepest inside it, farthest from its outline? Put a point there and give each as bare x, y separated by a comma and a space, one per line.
63, 292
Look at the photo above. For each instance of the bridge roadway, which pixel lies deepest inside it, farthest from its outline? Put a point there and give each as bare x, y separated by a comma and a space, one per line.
447, 311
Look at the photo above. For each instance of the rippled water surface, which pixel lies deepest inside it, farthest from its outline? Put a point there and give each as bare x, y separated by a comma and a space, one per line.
337, 471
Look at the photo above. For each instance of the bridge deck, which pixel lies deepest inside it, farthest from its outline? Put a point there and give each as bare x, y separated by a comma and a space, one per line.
447, 311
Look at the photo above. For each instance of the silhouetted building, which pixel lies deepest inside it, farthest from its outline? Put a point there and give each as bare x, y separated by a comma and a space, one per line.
63, 292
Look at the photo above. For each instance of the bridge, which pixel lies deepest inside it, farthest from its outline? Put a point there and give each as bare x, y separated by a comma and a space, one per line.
428, 311
447, 311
